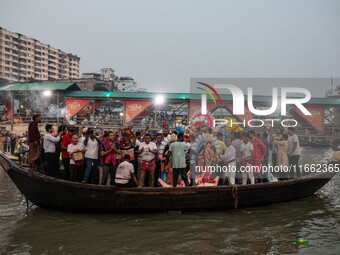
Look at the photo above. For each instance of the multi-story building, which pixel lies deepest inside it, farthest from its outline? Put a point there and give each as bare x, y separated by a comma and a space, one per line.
107, 74
23, 59
126, 84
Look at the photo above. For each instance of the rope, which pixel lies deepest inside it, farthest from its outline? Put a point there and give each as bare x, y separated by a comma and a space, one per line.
234, 194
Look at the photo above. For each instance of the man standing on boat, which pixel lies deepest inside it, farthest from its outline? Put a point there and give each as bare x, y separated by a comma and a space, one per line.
260, 151
34, 142
159, 139
277, 136
50, 155
246, 169
229, 158
148, 150
91, 144
64, 154
236, 143
294, 152
178, 150
109, 153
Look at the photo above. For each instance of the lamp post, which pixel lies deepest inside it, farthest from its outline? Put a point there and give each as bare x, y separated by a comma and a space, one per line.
47, 93
158, 101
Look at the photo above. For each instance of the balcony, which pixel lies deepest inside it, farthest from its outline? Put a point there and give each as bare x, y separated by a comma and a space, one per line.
21, 48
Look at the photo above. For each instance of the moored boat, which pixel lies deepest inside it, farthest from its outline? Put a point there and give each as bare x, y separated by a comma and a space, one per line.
49, 192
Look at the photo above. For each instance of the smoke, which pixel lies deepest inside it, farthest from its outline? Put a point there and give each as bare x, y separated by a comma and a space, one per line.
39, 102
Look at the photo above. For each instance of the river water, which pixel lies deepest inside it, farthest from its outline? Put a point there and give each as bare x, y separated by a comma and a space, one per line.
271, 229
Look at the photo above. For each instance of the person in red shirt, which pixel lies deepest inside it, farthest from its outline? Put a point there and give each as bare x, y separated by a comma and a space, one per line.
260, 151
64, 154
34, 142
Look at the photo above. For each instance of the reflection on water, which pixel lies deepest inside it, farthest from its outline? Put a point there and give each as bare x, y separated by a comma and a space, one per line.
273, 228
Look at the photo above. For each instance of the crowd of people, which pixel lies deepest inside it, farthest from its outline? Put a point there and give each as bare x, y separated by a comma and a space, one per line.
127, 159
15, 145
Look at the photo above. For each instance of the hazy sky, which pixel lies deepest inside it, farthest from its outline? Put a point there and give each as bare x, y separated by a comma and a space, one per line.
162, 44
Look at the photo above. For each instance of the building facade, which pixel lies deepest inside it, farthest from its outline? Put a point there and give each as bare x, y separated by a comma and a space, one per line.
126, 84
107, 74
24, 59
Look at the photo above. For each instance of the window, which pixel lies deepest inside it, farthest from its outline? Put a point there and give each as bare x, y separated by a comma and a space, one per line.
7, 56
7, 68
7, 49
7, 37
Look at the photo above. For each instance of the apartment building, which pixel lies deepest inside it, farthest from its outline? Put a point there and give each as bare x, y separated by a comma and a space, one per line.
126, 84
23, 58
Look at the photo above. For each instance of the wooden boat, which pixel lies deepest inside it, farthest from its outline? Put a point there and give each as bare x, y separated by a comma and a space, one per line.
49, 192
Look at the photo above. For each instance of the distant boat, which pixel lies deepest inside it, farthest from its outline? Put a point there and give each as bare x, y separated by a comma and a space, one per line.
333, 93
49, 192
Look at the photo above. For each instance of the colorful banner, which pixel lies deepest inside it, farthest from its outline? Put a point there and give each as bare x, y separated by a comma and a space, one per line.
248, 115
316, 119
73, 106
88, 109
195, 107
133, 108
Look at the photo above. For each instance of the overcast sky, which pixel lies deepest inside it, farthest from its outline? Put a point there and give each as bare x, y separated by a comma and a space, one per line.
162, 44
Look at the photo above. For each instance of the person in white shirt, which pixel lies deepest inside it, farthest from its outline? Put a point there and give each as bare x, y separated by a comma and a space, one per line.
75, 166
50, 156
247, 150
294, 151
125, 174
148, 151
229, 158
91, 144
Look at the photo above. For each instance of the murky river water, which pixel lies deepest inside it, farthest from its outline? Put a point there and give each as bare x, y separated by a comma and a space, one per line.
257, 230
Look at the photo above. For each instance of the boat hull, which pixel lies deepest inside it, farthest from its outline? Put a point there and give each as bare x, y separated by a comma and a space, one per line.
58, 194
